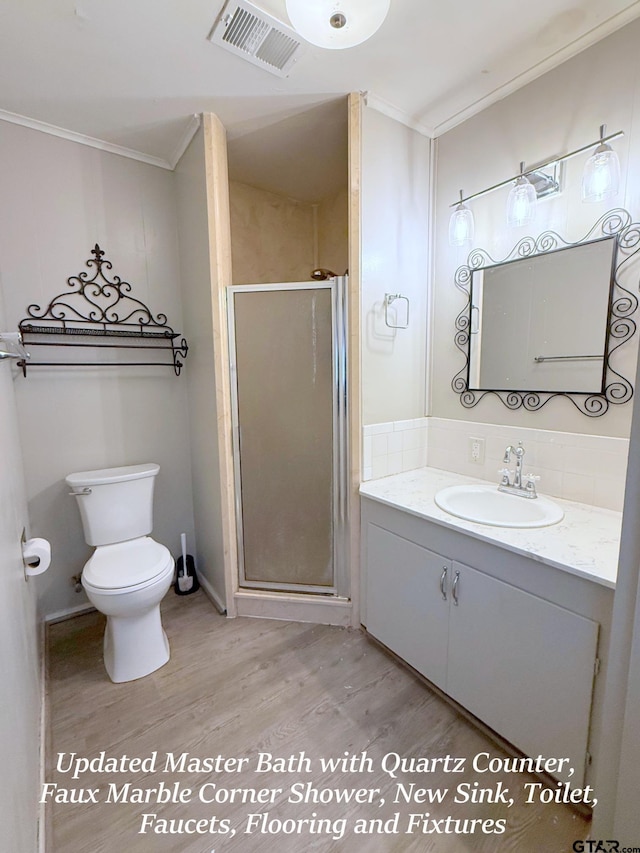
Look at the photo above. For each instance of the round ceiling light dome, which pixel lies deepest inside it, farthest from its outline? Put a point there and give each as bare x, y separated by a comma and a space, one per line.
337, 24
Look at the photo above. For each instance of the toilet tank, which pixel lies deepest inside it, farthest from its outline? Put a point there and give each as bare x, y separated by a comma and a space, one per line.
116, 504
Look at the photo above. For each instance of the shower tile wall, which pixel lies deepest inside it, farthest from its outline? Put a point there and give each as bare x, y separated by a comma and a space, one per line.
278, 239
333, 232
272, 237
590, 469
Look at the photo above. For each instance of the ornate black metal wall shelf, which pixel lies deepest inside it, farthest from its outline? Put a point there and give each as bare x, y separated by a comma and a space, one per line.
102, 311
620, 325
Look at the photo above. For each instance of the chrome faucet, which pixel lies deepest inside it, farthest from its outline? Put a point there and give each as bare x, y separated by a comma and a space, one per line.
516, 487
518, 452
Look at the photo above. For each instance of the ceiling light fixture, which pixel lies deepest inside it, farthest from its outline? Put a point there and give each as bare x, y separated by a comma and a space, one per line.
601, 177
337, 24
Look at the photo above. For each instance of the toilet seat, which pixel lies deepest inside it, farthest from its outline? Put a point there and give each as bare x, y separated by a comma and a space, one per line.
127, 566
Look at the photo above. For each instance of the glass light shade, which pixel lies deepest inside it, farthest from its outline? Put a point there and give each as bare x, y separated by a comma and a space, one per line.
601, 177
461, 226
337, 24
521, 204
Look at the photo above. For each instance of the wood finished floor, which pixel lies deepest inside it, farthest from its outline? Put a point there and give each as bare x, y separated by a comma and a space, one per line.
244, 686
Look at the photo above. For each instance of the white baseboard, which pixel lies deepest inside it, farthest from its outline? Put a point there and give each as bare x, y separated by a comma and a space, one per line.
212, 595
68, 613
294, 608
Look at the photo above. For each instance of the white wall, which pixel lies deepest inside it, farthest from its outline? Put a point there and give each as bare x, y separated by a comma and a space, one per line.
616, 815
395, 200
20, 694
203, 417
559, 112
56, 201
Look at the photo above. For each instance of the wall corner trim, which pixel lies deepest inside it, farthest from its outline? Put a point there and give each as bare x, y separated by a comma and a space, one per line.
43, 735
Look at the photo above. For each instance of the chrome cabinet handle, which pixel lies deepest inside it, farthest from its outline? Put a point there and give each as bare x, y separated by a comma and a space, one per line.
454, 588
443, 581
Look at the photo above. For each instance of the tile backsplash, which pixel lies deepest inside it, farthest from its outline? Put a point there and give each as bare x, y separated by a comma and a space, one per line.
393, 447
590, 469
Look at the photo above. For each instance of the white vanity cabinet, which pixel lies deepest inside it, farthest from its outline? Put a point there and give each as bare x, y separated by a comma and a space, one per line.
407, 592
522, 665
493, 637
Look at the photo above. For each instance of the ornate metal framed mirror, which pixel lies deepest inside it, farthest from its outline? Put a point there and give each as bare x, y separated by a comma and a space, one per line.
547, 320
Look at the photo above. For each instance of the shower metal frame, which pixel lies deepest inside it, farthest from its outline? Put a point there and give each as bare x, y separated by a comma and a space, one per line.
340, 475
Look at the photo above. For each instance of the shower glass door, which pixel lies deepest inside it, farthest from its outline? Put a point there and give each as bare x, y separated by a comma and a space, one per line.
288, 383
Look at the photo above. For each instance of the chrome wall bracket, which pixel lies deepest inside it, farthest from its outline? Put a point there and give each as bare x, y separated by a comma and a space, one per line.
389, 299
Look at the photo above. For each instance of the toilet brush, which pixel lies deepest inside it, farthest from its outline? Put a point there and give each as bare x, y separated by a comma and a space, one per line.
186, 578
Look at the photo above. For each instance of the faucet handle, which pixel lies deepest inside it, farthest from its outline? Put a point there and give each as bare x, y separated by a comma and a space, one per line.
506, 473
530, 486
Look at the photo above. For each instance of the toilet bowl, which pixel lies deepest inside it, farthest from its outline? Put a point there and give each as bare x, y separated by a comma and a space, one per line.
129, 573
127, 582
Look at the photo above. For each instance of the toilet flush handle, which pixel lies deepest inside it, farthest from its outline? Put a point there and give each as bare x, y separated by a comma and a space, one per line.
80, 492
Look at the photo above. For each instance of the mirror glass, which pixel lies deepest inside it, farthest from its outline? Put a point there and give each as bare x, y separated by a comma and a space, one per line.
540, 323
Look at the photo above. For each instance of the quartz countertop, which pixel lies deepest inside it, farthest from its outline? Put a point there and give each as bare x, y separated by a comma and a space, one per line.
585, 543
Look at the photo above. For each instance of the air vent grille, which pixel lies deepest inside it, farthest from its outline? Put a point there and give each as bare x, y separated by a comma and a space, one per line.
251, 33
246, 31
277, 49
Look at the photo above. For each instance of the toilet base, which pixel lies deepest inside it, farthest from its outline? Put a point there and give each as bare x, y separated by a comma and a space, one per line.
135, 646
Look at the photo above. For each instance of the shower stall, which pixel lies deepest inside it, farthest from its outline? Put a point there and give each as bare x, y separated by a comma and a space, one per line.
287, 346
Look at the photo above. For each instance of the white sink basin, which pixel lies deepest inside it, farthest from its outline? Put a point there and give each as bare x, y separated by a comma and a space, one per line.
486, 505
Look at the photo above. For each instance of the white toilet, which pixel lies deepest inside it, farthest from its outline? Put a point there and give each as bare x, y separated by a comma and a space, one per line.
129, 573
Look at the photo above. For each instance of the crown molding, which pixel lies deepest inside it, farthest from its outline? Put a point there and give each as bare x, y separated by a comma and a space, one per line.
82, 139
596, 34
380, 105
431, 131
190, 131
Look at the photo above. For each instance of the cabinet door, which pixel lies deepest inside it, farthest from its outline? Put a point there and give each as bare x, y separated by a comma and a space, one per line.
522, 665
405, 606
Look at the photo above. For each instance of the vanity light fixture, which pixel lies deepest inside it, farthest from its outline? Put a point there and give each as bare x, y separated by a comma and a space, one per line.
461, 225
601, 177
336, 24
521, 203
601, 180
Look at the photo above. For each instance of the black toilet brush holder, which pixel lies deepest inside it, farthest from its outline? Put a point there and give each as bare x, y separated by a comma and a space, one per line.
186, 578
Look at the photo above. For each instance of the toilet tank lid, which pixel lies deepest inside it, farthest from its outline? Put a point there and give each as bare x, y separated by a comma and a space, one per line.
104, 476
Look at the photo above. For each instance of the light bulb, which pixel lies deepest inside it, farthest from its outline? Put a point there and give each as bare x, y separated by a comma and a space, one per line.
521, 204
461, 225
336, 24
601, 177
